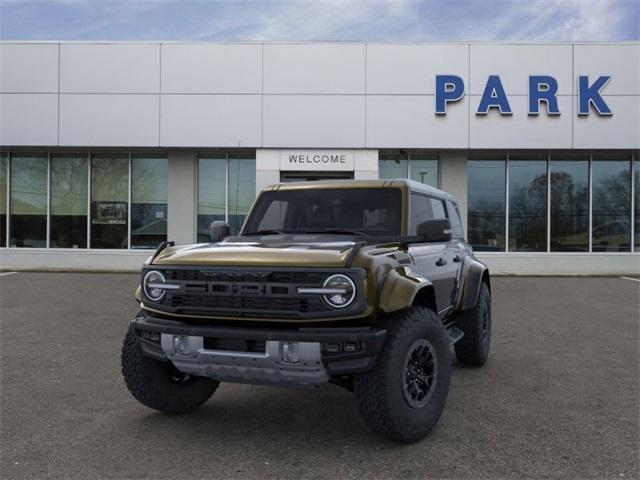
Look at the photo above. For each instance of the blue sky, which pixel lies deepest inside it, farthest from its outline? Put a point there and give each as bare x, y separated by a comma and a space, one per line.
301, 20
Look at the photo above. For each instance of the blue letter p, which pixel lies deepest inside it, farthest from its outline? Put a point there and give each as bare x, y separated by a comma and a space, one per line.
449, 88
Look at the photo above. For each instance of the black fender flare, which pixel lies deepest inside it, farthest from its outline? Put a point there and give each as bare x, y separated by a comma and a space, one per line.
474, 272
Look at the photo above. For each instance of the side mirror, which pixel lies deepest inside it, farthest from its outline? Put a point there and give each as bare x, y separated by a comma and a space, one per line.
434, 230
219, 230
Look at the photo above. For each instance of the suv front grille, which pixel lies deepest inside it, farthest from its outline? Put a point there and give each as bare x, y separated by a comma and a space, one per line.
231, 304
237, 276
252, 293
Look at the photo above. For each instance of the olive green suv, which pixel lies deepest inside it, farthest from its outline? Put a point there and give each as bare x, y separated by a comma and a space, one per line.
363, 284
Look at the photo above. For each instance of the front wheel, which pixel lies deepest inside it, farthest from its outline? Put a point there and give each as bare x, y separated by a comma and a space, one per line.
404, 395
159, 385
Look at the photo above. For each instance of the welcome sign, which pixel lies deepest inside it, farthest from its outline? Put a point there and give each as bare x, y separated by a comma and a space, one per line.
317, 160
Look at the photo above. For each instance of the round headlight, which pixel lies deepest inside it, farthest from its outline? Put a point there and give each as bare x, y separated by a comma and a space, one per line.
343, 291
150, 285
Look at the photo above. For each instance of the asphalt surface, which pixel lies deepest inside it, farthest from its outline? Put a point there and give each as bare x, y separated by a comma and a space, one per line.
557, 399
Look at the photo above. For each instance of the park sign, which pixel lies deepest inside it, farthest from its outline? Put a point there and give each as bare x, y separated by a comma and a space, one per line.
542, 90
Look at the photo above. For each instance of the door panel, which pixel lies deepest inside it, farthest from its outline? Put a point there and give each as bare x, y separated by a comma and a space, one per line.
432, 261
454, 268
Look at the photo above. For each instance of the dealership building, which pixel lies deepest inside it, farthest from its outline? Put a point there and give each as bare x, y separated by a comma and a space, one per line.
107, 149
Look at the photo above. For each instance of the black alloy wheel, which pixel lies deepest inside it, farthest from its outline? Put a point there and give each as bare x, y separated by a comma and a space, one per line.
420, 373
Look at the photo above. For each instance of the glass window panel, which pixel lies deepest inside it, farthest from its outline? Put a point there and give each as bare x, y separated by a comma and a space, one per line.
454, 218
437, 208
69, 201
211, 193
487, 208
611, 230
569, 203
393, 165
4, 162
424, 169
636, 194
528, 204
371, 210
242, 190
420, 211
28, 201
149, 185
109, 196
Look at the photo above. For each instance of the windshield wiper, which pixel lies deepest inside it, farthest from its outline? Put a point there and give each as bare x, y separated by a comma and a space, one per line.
264, 232
340, 231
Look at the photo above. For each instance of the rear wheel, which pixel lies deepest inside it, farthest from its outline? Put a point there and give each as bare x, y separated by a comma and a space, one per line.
473, 348
404, 395
159, 385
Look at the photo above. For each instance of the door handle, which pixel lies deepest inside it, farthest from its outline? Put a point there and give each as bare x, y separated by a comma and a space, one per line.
441, 262
457, 259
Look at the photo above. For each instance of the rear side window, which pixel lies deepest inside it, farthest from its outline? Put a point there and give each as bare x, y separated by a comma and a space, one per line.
454, 218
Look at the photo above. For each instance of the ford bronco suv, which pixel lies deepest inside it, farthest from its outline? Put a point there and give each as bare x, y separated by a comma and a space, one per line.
364, 284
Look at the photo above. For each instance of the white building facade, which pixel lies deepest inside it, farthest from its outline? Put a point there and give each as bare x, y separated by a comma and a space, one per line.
106, 149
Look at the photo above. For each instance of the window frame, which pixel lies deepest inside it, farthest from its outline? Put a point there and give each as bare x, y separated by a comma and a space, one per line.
456, 212
7, 156
132, 159
110, 154
220, 156
430, 197
49, 199
413, 227
546, 159
550, 159
28, 153
632, 158
409, 157
260, 210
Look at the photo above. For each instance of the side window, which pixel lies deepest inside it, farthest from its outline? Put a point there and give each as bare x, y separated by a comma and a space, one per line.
454, 217
420, 211
437, 207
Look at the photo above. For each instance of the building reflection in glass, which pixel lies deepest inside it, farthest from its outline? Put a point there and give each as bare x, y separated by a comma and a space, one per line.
28, 227
149, 194
486, 203
611, 184
68, 210
109, 197
569, 203
527, 203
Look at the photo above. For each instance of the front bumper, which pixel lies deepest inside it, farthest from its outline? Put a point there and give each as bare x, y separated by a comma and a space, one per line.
259, 356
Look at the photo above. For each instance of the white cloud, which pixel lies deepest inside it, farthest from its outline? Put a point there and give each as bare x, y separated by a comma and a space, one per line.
426, 20
324, 20
309, 20
565, 20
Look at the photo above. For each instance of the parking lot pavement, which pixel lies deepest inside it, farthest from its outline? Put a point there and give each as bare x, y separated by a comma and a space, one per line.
557, 399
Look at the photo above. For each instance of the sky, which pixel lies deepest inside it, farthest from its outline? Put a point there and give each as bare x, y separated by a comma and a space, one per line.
321, 20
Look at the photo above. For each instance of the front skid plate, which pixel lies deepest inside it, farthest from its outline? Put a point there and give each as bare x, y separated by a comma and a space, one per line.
188, 355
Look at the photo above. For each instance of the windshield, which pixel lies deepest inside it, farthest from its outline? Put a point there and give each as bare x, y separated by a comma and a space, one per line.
369, 211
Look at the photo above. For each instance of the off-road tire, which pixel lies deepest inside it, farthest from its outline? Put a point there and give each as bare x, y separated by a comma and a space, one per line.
379, 393
473, 348
155, 383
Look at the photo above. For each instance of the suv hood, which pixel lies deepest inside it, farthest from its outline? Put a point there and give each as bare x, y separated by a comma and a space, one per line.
280, 251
